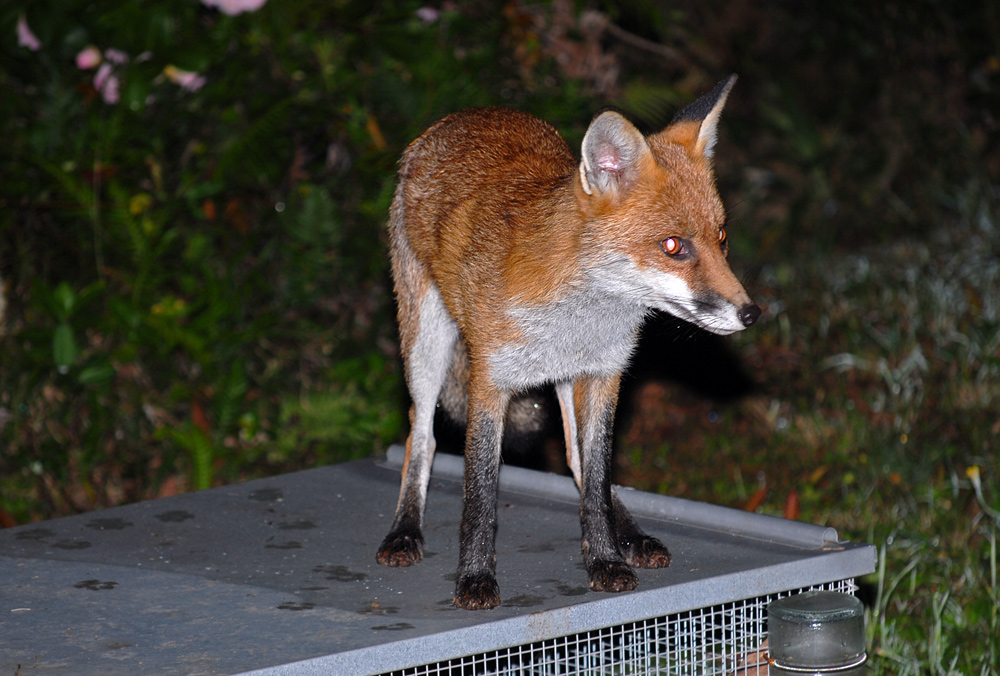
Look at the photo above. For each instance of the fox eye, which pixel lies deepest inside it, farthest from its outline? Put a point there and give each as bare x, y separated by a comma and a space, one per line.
673, 246
722, 236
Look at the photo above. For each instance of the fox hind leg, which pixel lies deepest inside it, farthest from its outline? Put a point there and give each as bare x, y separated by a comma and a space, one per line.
427, 361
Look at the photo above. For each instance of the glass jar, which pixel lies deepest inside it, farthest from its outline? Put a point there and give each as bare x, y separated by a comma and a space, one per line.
817, 632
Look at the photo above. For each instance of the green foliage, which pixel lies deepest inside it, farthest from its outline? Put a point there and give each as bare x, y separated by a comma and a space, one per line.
358, 414
195, 275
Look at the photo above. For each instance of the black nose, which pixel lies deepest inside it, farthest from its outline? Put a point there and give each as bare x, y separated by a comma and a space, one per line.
748, 314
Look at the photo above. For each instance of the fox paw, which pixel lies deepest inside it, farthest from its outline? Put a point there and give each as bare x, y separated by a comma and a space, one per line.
611, 576
401, 548
645, 552
477, 592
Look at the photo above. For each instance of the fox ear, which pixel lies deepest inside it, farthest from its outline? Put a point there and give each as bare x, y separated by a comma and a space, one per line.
696, 126
612, 152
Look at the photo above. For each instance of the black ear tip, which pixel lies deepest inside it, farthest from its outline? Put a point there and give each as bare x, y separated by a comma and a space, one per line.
703, 106
723, 87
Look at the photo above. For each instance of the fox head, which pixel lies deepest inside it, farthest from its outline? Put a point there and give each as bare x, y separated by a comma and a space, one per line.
654, 201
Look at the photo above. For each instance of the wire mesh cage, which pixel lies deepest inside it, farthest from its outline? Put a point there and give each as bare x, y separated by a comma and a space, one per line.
727, 639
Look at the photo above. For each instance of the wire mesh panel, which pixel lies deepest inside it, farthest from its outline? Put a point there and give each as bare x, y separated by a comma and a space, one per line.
726, 639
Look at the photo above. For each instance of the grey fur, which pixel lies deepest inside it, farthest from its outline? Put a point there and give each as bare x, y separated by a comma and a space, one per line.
526, 413
588, 331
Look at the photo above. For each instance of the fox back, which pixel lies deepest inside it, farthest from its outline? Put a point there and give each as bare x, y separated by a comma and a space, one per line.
540, 268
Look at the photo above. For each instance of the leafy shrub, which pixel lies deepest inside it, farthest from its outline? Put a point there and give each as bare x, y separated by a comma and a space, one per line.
194, 267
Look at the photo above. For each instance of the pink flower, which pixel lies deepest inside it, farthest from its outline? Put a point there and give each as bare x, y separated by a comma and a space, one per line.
25, 38
106, 80
428, 15
192, 82
116, 56
106, 83
89, 58
234, 7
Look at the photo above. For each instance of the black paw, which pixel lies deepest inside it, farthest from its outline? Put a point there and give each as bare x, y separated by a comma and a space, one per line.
477, 592
401, 548
643, 551
611, 576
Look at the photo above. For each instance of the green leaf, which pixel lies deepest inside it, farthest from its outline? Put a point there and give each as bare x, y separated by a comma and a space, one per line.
63, 301
64, 349
96, 373
192, 439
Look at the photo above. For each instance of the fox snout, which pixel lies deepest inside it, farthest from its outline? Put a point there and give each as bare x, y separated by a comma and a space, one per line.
749, 314
726, 317
721, 312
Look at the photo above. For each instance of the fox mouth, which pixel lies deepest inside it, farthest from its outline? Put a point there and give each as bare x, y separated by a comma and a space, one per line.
714, 315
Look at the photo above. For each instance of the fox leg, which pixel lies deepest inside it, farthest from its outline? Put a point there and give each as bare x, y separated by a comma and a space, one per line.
564, 392
594, 400
476, 585
640, 550
428, 357
636, 547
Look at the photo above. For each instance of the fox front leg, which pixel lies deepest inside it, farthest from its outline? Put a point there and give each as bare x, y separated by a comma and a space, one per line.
639, 549
476, 585
594, 402
636, 547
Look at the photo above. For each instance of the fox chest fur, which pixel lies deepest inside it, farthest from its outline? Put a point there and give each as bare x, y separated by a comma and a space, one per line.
586, 331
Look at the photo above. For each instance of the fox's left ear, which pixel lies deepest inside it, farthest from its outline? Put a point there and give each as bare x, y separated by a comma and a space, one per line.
613, 155
696, 126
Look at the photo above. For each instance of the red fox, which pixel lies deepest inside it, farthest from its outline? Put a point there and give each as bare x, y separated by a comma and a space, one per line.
544, 269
